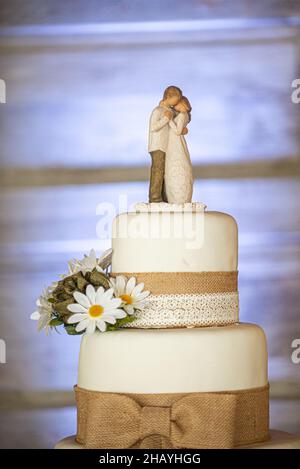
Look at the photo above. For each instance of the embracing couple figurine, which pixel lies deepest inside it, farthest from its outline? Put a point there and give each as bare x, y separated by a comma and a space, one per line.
171, 177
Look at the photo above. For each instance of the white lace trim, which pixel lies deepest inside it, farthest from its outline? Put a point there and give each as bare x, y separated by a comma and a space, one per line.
211, 309
166, 207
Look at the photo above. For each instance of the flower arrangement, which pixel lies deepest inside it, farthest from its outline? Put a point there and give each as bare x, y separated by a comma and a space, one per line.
88, 298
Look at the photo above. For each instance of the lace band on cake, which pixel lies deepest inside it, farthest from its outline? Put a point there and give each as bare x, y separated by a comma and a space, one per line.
167, 311
186, 299
186, 283
167, 207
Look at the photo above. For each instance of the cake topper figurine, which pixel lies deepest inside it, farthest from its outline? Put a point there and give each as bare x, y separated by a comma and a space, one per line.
171, 177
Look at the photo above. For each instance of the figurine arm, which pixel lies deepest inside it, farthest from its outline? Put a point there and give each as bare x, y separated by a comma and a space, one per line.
156, 122
178, 126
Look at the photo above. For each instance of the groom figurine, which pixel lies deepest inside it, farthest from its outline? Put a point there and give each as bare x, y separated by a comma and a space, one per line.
158, 141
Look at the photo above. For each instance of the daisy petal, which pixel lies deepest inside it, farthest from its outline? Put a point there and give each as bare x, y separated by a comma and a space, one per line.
76, 308
99, 294
130, 285
108, 294
108, 318
43, 323
91, 327
138, 289
101, 326
92, 255
142, 296
76, 318
82, 325
139, 304
35, 316
114, 303
120, 314
120, 284
129, 309
91, 294
82, 299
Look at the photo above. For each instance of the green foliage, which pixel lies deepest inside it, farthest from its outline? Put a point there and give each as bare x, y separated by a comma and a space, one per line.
70, 329
55, 322
120, 323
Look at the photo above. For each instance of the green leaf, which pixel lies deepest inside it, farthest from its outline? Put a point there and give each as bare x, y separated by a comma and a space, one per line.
128, 319
70, 329
55, 322
120, 322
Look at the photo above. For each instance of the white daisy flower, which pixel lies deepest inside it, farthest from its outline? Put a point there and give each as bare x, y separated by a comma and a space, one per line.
90, 262
132, 295
43, 314
95, 309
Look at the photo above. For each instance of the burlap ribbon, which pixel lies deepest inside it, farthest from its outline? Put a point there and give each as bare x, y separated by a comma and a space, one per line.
194, 420
186, 283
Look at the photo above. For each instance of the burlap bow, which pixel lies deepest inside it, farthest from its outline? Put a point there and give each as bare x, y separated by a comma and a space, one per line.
196, 420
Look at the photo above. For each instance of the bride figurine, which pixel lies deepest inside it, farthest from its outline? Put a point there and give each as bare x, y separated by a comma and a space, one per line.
178, 180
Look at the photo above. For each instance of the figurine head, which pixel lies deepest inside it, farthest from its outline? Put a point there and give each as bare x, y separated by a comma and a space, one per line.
172, 95
184, 106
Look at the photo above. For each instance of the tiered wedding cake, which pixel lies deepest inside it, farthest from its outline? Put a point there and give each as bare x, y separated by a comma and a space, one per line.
164, 361
186, 373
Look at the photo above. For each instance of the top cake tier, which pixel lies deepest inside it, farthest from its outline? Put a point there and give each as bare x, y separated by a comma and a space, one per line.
187, 259
174, 242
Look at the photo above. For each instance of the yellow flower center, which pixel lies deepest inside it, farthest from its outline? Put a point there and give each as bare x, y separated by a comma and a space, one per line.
127, 299
95, 311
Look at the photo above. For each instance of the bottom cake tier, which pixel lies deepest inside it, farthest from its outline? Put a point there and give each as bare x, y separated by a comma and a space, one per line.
174, 388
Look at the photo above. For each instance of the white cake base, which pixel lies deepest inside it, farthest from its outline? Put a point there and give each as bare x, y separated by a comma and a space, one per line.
279, 440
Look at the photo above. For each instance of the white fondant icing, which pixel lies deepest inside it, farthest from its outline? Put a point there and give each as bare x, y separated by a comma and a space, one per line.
174, 360
174, 242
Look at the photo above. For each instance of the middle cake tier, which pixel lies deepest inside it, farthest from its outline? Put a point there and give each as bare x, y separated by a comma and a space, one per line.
207, 359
